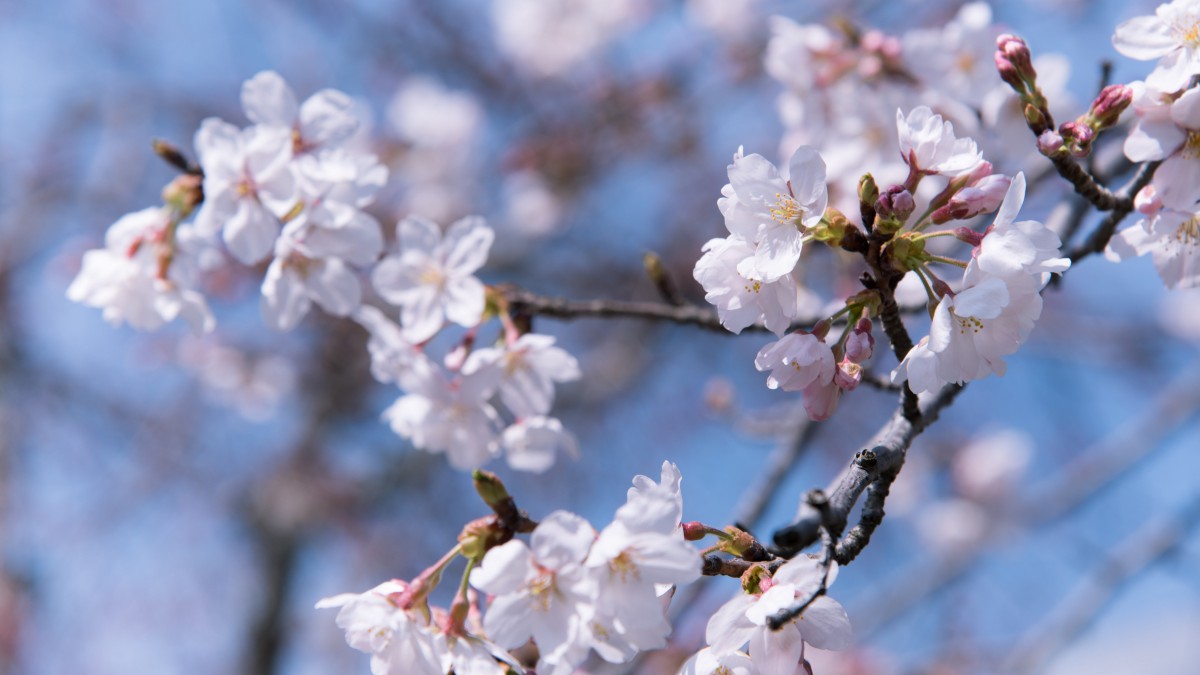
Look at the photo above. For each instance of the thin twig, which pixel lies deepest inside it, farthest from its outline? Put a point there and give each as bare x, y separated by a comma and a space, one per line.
884, 454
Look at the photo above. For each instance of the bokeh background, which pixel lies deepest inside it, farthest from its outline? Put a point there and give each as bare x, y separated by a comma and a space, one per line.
176, 504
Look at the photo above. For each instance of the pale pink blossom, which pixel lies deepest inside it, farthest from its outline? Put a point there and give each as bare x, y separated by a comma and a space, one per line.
1172, 36
928, 144
772, 210
432, 277
126, 278
528, 366
740, 300
533, 443
743, 620
248, 185
541, 591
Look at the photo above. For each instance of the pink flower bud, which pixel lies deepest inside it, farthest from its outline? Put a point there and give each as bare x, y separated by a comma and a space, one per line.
1049, 142
896, 203
860, 344
1109, 104
1078, 137
968, 236
694, 531
1014, 62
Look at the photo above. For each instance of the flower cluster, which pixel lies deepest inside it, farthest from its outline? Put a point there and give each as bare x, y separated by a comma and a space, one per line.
1167, 106
292, 186
571, 590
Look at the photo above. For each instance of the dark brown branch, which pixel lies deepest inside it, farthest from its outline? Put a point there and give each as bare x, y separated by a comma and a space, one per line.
884, 454
1104, 232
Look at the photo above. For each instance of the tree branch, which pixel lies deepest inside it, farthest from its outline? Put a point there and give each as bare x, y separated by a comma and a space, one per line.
884, 454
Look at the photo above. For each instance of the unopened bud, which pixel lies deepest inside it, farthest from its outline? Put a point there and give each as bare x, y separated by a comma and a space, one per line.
491, 489
1049, 142
1077, 137
1015, 63
1036, 118
694, 531
821, 329
1108, 106
860, 344
868, 191
184, 193
968, 236
895, 204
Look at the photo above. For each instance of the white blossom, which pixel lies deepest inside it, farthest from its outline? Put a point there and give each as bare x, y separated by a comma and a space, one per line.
432, 278
1172, 36
772, 210
400, 641
528, 366
541, 591
929, 146
743, 620
248, 185
126, 278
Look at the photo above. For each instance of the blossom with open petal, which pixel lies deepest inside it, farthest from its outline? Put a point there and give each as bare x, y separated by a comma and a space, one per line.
1170, 236
528, 367
248, 186
772, 210
400, 641
324, 120
1172, 36
126, 278
928, 144
540, 590
743, 300
432, 278
743, 619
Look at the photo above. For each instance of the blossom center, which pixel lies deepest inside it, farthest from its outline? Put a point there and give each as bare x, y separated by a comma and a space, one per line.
754, 287
968, 324
625, 567
1191, 146
1188, 233
1186, 30
541, 589
787, 209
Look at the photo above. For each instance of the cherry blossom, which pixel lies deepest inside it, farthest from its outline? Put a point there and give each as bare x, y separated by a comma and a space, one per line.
1168, 130
743, 619
928, 144
432, 278
533, 443
248, 185
740, 300
400, 641
1170, 236
126, 279
528, 366
772, 210
1172, 36
447, 415
541, 591
641, 553
325, 120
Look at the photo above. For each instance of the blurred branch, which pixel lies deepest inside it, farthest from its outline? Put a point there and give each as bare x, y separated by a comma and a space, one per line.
1130, 558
